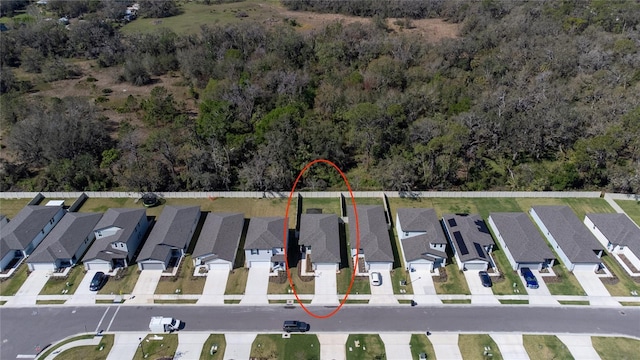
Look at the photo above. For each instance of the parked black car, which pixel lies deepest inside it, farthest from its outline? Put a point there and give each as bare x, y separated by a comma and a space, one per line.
486, 280
98, 281
295, 326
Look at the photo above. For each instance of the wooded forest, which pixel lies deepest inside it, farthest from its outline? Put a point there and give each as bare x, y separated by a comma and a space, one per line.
531, 95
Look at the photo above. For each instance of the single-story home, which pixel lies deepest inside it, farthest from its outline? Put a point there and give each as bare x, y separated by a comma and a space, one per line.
169, 238
218, 242
119, 234
421, 237
66, 243
573, 242
265, 242
470, 240
521, 241
20, 236
617, 233
320, 240
375, 243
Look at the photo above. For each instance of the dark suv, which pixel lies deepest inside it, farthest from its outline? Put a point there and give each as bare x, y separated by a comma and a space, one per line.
530, 279
98, 281
485, 278
294, 325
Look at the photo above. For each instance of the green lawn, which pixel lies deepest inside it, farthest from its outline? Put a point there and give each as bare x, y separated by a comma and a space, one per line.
514, 302
50, 302
184, 282
456, 282
580, 206
569, 284
55, 285
504, 286
97, 352
365, 346
273, 346
104, 204
457, 301
11, 286
124, 285
282, 286
157, 349
237, 281
482, 206
398, 275
420, 344
11, 207
360, 284
328, 205
631, 208
544, 347
214, 339
472, 347
625, 284
573, 302
53, 348
610, 348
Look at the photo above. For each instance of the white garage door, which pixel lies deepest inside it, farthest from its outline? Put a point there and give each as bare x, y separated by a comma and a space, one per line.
379, 266
41, 266
219, 266
475, 266
327, 267
97, 266
532, 266
421, 266
585, 267
151, 266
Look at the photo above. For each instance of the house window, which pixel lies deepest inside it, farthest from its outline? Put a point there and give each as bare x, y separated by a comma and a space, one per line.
255, 252
51, 221
121, 245
406, 234
621, 247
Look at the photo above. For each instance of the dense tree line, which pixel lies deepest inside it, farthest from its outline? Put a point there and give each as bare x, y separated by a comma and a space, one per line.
530, 96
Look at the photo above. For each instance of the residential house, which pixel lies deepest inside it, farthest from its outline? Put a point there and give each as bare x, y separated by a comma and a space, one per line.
619, 234
470, 240
320, 240
119, 234
168, 240
422, 240
218, 243
573, 242
66, 243
20, 236
375, 243
521, 241
265, 242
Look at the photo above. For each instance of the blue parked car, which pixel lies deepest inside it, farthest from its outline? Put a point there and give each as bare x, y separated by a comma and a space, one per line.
531, 280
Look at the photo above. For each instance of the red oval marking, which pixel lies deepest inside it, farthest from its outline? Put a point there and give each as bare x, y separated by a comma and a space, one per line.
286, 231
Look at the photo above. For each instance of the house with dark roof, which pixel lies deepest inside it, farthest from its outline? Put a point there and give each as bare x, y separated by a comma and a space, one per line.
264, 243
375, 243
66, 243
118, 236
470, 240
320, 240
422, 240
569, 237
20, 236
218, 242
521, 241
168, 240
618, 234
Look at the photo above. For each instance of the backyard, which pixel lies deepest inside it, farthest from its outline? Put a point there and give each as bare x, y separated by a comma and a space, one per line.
631, 208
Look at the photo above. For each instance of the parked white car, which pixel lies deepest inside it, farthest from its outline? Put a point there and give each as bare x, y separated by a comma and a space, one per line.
376, 278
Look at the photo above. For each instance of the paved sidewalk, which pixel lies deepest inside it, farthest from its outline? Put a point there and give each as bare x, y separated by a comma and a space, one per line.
446, 346
145, 287
238, 346
332, 346
595, 289
85, 342
397, 346
214, 287
580, 346
511, 346
257, 286
125, 345
28, 292
190, 345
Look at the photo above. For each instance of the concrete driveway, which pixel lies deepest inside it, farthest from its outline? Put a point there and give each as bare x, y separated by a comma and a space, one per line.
479, 293
332, 346
190, 345
145, 287
383, 294
580, 346
28, 292
396, 346
423, 289
255, 292
214, 287
446, 346
511, 346
326, 287
82, 295
597, 292
125, 345
541, 295
238, 345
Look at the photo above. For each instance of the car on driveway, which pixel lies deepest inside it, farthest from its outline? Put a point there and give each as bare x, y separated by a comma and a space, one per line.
486, 280
295, 326
529, 278
376, 278
98, 281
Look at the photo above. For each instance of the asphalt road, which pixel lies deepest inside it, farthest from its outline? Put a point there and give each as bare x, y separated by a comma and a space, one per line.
24, 330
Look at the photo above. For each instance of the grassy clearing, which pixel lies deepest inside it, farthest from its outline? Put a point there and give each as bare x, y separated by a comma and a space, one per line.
505, 286
398, 275
580, 206
360, 284
631, 208
625, 285
157, 349
472, 347
420, 344
97, 352
544, 347
282, 286
482, 206
104, 204
273, 346
574, 302
11, 286
237, 281
121, 286
516, 302
569, 285
456, 282
364, 346
328, 205
53, 348
616, 347
11, 207
55, 285
214, 339
184, 282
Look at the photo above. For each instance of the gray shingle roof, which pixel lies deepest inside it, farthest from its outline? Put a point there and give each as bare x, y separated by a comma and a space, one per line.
220, 236
321, 232
172, 230
265, 233
469, 235
126, 220
422, 220
65, 238
618, 229
374, 233
18, 233
522, 237
576, 241
417, 247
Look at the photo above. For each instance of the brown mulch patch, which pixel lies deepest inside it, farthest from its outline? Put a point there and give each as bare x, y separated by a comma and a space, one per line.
442, 277
610, 280
628, 263
551, 279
